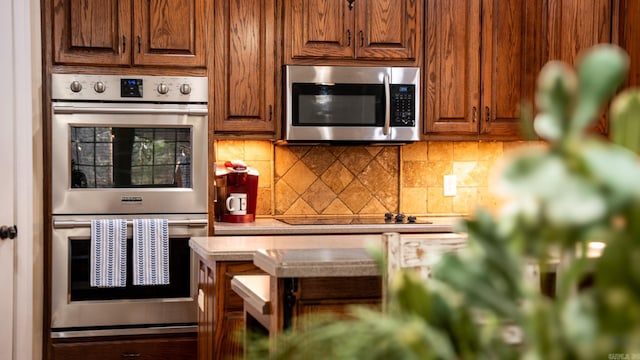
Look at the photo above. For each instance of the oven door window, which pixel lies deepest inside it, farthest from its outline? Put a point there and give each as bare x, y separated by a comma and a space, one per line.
179, 274
338, 105
130, 157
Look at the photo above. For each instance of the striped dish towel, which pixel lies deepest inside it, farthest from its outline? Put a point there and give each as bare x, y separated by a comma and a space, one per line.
108, 253
150, 252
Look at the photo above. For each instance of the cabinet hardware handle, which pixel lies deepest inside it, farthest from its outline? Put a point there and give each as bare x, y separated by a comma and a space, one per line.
270, 112
124, 43
487, 114
475, 114
8, 232
130, 355
348, 37
139, 43
361, 38
351, 4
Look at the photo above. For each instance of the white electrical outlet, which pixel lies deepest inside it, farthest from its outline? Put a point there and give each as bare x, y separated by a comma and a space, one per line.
449, 185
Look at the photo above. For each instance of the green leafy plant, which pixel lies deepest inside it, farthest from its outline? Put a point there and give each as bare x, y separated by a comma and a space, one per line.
575, 190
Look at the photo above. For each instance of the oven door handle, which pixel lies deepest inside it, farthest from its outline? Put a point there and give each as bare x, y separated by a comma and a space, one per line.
66, 109
70, 224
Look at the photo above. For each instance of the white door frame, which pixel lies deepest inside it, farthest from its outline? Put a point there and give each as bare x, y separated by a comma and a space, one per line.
20, 22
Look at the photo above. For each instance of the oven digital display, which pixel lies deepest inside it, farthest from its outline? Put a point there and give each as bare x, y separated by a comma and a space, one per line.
131, 88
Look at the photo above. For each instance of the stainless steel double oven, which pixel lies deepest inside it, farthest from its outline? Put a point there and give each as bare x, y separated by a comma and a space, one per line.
125, 147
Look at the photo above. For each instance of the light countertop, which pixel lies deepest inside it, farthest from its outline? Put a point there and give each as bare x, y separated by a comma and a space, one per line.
300, 255
271, 226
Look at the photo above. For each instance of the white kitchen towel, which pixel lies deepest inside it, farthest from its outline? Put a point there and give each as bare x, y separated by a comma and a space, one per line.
150, 252
108, 253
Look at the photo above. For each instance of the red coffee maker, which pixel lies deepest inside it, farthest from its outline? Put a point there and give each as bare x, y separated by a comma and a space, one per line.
237, 192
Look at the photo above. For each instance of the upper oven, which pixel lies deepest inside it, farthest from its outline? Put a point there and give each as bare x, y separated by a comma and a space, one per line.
128, 144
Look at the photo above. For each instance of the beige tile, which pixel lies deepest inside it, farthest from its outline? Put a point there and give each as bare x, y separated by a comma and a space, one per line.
465, 151
388, 194
436, 172
318, 159
414, 201
375, 177
299, 150
264, 171
437, 203
355, 159
299, 177
300, 207
389, 158
440, 151
229, 150
414, 173
373, 207
466, 200
355, 196
490, 151
488, 199
337, 177
258, 150
318, 196
284, 198
284, 160
373, 150
417, 151
471, 173
337, 207
263, 205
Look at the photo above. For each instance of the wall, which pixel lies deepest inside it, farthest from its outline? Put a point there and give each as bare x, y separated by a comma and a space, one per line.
345, 180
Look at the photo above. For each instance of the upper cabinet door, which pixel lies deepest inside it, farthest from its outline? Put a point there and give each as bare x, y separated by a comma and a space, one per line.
452, 79
245, 67
321, 28
512, 57
169, 32
575, 26
92, 31
387, 29
627, 29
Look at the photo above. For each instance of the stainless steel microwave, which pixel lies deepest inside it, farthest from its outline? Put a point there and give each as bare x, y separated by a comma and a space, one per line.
352, 104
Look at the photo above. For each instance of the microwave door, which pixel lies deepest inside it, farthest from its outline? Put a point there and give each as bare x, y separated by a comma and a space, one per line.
337, 112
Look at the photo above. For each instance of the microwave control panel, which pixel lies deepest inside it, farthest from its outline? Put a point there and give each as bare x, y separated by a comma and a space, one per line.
403, 105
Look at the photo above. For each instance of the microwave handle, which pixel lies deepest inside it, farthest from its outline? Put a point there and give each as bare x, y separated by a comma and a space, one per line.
387, 112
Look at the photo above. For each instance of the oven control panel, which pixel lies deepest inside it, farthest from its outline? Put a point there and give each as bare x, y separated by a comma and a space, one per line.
125, 88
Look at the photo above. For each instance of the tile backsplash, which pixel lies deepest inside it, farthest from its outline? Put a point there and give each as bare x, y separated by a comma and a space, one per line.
345, 180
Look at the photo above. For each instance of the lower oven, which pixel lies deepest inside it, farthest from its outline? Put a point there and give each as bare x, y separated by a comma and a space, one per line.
78, 309
125, 147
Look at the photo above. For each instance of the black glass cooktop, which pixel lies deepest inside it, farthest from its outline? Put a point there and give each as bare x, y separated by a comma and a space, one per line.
398, 219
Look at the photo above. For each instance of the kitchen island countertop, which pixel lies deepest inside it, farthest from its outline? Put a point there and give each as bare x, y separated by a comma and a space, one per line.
301, 255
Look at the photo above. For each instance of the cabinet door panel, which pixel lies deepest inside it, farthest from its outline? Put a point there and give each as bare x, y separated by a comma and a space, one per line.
91, 31
628, 28
575, 26
321, 28
453, 66
387, 29
512, 58
244, 66
169, 32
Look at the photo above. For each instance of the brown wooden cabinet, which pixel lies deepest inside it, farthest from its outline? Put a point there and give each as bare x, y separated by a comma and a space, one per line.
127, 32
577, 25
625, 32
353, 29
156, 347
245, 68
220, 313
482, 60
